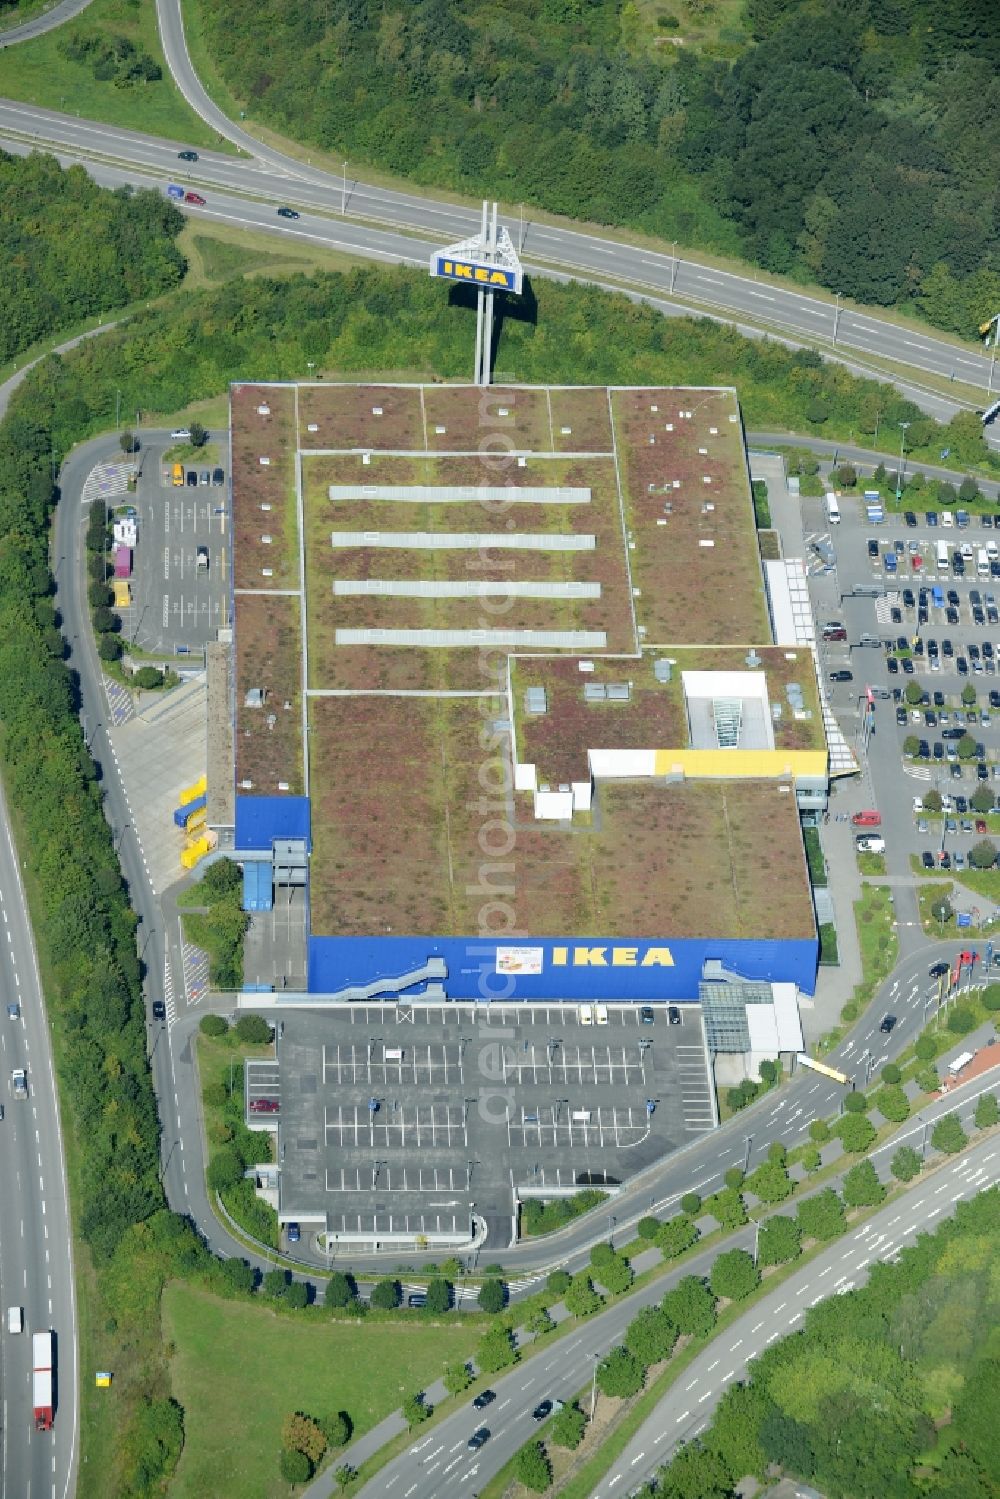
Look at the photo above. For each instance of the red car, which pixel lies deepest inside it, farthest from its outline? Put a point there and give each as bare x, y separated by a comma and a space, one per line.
980, 825
264, 1106
195, 198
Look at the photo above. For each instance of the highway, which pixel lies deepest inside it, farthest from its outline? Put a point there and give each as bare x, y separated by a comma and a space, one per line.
441, 1463
559, 246
688, 1406
36, 1242
400, 226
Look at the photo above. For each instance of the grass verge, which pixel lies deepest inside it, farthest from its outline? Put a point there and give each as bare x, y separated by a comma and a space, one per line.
37, 72
239, 1369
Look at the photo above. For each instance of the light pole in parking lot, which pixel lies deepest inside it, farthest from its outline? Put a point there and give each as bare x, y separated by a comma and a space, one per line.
902, 460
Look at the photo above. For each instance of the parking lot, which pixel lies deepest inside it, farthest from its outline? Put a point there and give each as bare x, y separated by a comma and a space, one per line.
482, 1104
924, 636
177, 604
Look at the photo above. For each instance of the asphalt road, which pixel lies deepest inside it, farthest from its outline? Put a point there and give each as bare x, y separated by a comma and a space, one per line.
688, 1406
403, 227
64, 11
36, 1243
441, 1463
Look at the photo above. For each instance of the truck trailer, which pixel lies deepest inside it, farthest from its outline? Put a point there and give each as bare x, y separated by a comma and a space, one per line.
42, 1373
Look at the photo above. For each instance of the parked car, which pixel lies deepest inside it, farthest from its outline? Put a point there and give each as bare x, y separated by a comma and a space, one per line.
673, 1015
264, 1106
646, 1015
927, 859
295, 1233
192, 478
842, 676
218, 477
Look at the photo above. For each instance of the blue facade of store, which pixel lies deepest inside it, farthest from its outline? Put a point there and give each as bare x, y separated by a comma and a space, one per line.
613, 969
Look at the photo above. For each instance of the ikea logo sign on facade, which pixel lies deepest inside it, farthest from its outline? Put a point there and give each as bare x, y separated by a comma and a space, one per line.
612, 957
489, 277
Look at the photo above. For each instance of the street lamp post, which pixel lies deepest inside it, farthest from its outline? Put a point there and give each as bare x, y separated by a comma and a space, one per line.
673, 267
746, 1156
902, 460
836, 320
343, 194
593, 1388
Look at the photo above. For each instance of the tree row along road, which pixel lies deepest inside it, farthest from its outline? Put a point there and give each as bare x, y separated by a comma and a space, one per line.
440, 1463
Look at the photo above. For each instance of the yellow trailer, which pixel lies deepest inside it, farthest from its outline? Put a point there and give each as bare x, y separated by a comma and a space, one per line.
123, 593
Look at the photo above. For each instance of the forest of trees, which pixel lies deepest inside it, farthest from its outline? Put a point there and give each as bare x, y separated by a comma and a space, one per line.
70, 250
850, 143
891, 1390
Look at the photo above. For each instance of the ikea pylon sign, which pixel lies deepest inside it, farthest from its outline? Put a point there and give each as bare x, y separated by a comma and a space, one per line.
477, 273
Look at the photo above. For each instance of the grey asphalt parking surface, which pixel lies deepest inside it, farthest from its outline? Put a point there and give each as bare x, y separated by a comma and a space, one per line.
415, 1116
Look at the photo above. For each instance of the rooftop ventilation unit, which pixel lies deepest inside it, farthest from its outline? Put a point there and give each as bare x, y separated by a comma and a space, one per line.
534, 700
752, 659
594, 692
662, 670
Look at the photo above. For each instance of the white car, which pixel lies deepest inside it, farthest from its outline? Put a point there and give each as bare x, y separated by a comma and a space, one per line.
586, 1015
181, 434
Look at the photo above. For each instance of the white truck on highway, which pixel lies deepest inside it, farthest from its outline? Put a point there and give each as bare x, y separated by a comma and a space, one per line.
19, 1083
